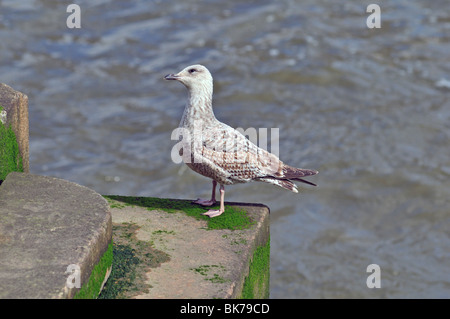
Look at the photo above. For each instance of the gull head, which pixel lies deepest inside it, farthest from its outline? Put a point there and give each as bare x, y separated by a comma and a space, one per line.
195, 77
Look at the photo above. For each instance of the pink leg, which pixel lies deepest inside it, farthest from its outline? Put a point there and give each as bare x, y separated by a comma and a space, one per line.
214, 213
212, 201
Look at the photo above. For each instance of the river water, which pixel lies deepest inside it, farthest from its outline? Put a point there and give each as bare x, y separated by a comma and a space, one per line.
368, 108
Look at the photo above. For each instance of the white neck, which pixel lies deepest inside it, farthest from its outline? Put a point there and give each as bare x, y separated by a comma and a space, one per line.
199, 107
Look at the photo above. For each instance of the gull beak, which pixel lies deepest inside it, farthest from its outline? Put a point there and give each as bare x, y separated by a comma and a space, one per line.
172, 77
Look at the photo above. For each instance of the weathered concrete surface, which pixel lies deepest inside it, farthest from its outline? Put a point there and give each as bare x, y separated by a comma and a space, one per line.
15, 104
47, 224
203, 263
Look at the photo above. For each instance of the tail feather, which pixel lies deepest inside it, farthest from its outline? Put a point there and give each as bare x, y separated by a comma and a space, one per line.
304, 181
286, 175
294, 173
284, 183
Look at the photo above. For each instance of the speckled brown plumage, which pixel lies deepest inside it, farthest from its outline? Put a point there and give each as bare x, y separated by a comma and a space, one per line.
218, 151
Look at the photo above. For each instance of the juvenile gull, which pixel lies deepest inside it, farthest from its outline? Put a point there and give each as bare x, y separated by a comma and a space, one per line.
216, 150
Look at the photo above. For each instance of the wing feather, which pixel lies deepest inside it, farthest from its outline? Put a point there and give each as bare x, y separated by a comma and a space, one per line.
231, 151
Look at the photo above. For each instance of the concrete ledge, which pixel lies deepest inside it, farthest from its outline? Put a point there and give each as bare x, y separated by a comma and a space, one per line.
163, 248
191, 256
47, 224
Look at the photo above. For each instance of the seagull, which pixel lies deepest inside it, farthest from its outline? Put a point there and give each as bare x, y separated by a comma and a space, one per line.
218, 151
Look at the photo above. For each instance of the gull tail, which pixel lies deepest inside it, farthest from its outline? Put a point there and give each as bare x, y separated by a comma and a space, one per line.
283, 183
295, 174
287, 176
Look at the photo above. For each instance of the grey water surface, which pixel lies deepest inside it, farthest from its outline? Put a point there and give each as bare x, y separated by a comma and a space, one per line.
368, 108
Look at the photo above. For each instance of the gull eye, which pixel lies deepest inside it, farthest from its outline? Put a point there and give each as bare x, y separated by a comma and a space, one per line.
192, 71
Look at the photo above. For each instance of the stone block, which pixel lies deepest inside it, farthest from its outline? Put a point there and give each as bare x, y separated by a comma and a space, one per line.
52, 230
225, 257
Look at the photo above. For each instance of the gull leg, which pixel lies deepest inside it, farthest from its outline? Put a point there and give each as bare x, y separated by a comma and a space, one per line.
212, 201
214, 213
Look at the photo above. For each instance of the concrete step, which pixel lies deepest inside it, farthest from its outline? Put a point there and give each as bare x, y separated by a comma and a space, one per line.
178, 253
55, 236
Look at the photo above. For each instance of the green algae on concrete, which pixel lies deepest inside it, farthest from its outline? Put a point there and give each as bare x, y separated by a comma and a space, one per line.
203, 261
132, 258
231, 219
212, 273
10, 159
256, 284
93, 287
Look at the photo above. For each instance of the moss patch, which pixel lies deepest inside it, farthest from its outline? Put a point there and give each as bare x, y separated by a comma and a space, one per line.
256, 284
131, 260
91, 289
231, 219
10, 159
211, 273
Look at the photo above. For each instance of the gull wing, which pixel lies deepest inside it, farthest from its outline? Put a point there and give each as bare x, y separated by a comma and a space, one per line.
231, 151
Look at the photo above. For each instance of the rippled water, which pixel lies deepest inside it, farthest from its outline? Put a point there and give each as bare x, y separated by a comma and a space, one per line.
368, 108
